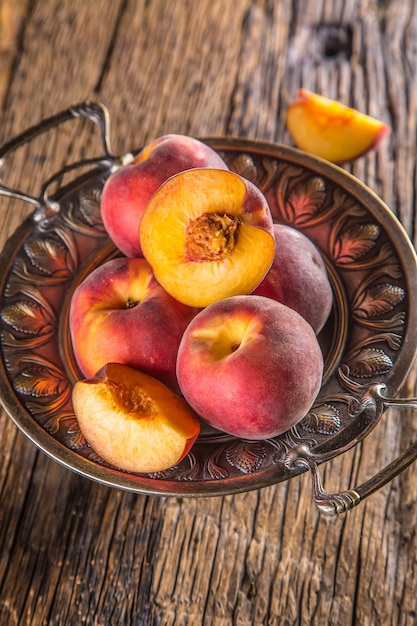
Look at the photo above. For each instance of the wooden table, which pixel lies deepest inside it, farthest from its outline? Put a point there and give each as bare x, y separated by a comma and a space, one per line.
75, 552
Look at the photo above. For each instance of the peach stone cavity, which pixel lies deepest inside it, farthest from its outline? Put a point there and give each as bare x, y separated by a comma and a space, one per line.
211, 237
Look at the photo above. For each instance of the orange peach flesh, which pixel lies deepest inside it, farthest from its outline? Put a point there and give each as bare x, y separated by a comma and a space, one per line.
201, 242
331, 130
133, 421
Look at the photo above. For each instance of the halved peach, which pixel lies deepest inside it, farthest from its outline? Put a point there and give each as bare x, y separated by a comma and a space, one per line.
133, 421
331, 130
208, 234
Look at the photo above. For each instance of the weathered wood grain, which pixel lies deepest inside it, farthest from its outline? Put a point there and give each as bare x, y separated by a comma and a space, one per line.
73, 552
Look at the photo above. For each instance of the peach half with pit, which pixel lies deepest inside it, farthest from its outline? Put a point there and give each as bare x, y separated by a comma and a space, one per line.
119, 313
133, 421
250, 366
128, 190
298, 277
331, 130
208, 235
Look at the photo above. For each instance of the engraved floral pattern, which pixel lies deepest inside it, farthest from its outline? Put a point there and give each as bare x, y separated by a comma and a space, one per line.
377, 300
354, 242
371, 312
29, 318
52, 256
246, 456
305, 200
324, 419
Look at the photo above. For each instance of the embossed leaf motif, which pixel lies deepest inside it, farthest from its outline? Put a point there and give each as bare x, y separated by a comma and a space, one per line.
50, 257
76, 440
28, 317
162, 474
74, 437
370, 362
305, 200
355, 242
246, 456
212, 468
244, 165
40, 382
324, 419
378, 300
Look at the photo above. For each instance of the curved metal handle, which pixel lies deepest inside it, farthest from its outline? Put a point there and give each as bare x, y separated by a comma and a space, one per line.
336, 503
95, 112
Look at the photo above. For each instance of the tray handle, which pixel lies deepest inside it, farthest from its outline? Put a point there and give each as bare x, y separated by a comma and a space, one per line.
343, 501
93, 111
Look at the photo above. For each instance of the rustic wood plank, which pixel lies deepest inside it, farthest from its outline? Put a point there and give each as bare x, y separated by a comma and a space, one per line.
76, 552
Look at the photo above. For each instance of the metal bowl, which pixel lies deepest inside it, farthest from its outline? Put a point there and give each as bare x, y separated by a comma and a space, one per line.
369, 342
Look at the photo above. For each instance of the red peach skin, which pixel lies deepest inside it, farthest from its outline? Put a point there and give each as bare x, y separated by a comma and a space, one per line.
250, 366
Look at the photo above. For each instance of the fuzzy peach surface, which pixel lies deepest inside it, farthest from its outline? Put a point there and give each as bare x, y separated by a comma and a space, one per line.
250, 366
298, 277
120, 313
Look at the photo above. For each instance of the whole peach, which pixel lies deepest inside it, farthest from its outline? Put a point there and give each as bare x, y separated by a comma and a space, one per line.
250, 366
128, 190
298, 277
120, 314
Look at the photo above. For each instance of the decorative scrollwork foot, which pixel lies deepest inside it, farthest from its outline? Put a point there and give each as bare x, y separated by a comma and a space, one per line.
327, 503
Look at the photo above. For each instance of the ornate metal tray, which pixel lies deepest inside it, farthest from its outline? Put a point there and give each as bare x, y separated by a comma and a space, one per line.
369, 343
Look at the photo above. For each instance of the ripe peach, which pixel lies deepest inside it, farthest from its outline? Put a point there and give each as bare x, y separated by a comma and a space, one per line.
330, 129
298, 277
250, 366
120, 314
208, 234
128, 190
132, 420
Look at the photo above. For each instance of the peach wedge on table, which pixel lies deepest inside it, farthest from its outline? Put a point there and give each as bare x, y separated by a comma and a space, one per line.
119, 313
250, 366
128, 190
132, 420
331, 130
208, 234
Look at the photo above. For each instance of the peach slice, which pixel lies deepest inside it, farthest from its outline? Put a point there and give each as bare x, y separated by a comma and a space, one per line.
331, 130
133, 421
208, 234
